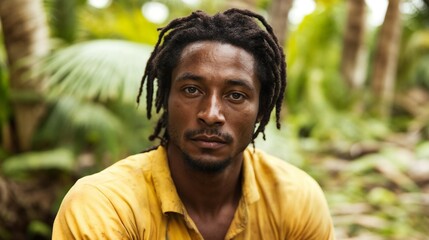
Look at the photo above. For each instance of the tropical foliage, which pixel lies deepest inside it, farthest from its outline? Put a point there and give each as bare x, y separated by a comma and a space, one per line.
374, 169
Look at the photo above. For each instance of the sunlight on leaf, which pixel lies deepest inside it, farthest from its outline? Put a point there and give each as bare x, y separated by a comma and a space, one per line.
100, 69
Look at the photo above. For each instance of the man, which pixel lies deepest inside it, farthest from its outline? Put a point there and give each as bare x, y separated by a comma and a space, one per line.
218, 77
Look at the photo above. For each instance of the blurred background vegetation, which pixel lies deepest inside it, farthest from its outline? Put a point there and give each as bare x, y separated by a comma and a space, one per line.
356, 115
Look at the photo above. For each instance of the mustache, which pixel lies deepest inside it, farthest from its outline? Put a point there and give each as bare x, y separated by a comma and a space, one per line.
209, 131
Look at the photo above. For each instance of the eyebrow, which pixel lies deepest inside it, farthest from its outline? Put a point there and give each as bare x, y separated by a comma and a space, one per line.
232, 82
189, 76
241, 83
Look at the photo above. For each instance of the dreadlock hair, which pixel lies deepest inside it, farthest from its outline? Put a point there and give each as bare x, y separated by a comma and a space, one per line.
234, 26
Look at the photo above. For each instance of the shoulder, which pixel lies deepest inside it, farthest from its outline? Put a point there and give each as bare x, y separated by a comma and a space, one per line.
299, 202
125, 175
108, 200
275, 170
123, 180
126, 168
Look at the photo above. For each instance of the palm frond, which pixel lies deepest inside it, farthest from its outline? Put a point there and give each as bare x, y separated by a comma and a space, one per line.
85, 123
69, 113
62, 159
101, 69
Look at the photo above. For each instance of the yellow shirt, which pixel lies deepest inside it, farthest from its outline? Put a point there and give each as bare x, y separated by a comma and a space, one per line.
136, 199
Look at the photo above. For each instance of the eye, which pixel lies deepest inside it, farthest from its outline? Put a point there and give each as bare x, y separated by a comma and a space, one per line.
191, 91
237, 97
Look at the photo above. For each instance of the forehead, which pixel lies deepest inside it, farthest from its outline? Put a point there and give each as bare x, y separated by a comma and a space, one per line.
209, 44
212, 51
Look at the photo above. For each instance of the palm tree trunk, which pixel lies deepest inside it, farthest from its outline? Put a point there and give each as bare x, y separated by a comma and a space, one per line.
26, 39
353, 65
279, 12
386, 58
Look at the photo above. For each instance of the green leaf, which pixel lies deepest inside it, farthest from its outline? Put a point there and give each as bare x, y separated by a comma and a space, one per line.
61, 159
422, 150
100, 69
381, 196
118, 22
39, 228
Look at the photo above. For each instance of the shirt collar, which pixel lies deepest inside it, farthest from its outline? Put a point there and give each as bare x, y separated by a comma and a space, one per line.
164, 185
167, 193
250, 190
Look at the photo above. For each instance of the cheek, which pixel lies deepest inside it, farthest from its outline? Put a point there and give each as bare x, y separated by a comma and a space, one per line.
178, 114
245, 121
178, 109
174, 124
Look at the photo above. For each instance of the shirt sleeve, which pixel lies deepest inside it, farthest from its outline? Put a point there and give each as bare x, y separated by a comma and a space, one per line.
86, 213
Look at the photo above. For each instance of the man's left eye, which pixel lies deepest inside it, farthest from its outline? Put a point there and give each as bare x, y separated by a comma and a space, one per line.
236, 96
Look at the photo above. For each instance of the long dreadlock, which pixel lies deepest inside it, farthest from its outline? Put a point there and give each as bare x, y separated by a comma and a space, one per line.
234, 26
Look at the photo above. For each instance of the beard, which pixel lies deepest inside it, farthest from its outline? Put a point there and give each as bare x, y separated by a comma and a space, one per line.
201, 163
206, 166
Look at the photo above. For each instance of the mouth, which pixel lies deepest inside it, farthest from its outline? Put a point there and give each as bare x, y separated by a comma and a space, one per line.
209, 141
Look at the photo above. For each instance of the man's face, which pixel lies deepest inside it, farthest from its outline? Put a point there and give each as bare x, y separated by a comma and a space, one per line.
212, 105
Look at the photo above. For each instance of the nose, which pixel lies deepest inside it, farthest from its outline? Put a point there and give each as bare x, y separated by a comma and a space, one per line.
211, 113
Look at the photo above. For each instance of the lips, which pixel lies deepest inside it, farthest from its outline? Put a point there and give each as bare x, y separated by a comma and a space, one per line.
209, 141
209, 138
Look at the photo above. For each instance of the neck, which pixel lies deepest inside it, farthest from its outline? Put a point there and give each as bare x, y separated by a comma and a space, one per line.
205, 193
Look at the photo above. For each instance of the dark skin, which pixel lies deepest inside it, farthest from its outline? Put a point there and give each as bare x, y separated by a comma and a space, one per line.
212, 111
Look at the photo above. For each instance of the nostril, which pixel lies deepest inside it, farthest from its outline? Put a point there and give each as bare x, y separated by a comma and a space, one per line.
211, 115
211, 119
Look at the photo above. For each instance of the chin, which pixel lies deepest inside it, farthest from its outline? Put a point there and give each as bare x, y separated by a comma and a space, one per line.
207, 164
